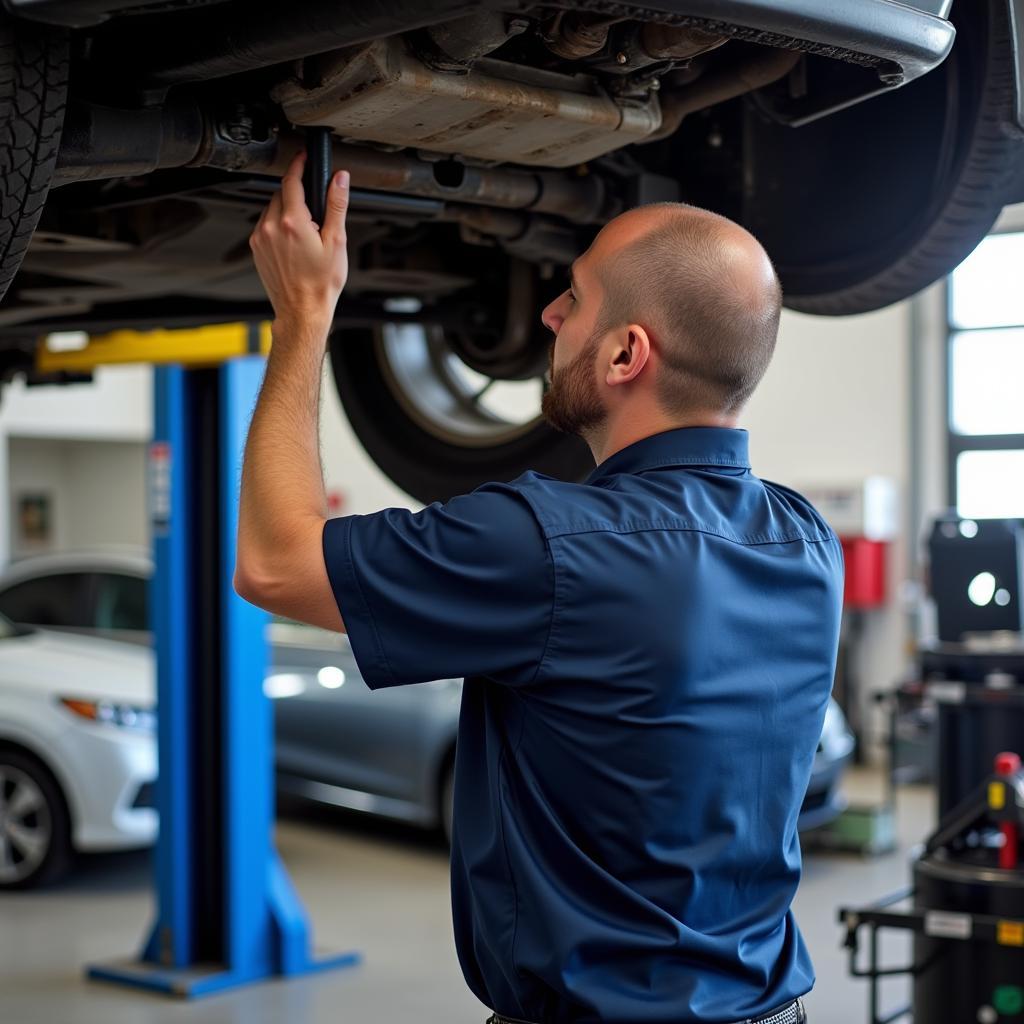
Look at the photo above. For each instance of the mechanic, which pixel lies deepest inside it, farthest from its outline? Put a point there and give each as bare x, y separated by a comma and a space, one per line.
647, 654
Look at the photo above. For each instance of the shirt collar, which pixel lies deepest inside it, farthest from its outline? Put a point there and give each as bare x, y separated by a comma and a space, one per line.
684, 446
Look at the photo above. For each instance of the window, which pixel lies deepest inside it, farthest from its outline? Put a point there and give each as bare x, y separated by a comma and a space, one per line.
986, 368
59, 600
121, 602
986, 377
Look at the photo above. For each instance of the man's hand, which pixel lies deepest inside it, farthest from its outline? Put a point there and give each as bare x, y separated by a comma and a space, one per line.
303, 266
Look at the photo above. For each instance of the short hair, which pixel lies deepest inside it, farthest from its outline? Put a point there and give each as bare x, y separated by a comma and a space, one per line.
718, 332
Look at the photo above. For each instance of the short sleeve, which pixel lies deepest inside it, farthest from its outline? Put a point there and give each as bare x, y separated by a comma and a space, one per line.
459, 589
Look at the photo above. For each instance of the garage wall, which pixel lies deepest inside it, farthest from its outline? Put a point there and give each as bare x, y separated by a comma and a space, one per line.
35, 468
116, 407
95, 491
107, 485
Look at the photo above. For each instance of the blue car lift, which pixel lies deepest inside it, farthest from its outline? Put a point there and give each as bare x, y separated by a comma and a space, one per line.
227, 913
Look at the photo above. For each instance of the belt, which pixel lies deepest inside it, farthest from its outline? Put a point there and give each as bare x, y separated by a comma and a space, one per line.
791, 1013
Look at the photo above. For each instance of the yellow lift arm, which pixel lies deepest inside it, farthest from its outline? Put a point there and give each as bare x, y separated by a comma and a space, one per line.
192, 346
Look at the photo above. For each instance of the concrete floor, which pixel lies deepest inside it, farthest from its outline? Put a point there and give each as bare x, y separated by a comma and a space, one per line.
378, 888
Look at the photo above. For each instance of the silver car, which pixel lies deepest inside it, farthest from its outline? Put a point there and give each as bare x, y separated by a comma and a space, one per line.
389, 753
77, 750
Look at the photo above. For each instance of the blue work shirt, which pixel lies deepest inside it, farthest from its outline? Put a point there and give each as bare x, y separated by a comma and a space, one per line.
648, 657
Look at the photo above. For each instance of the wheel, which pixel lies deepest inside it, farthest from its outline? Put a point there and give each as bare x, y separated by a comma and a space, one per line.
869, 205
33, 93
448, 800
35, 833
436, 426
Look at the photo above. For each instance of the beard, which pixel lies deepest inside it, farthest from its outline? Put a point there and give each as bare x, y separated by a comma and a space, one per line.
571, 403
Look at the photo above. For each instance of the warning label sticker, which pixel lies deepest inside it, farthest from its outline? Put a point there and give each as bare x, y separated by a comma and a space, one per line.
160, 487
943, 925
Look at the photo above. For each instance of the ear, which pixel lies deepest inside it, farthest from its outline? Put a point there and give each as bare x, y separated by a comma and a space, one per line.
629, 356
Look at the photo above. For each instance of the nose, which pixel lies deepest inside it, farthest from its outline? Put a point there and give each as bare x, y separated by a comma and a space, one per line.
553, 314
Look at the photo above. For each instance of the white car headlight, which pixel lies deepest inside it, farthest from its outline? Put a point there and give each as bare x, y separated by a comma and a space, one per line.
125, 716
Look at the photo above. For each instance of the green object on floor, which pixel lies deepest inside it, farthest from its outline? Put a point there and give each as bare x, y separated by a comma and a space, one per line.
867, 830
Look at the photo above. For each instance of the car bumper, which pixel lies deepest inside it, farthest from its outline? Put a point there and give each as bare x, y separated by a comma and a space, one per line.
109, 773
906, 40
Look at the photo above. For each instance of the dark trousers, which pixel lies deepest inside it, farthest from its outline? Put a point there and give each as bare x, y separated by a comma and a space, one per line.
791, 1013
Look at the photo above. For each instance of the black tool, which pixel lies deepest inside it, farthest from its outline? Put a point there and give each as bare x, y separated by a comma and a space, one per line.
317, 175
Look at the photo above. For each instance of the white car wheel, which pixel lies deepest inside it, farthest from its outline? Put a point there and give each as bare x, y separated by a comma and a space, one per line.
34, 844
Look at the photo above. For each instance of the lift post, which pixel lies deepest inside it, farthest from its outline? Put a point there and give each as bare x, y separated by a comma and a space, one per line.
227, 913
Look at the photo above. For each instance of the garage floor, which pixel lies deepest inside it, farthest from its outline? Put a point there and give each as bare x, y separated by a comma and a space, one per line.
380, 889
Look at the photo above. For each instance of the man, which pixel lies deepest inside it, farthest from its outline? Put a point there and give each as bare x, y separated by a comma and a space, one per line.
648, 654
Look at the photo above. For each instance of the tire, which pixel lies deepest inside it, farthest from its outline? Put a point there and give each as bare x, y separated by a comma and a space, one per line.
33, 94
868, 206
26, 783
433, 465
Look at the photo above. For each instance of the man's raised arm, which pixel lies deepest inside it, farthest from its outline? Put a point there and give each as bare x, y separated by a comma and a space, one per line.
279, 561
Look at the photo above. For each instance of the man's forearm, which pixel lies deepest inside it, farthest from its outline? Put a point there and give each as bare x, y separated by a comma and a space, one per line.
282, 477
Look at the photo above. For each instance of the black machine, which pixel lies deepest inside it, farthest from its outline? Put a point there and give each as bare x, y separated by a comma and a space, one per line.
977, 575
966, 905
966, 913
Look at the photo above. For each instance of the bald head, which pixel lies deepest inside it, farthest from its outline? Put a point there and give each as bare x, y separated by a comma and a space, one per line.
705, 288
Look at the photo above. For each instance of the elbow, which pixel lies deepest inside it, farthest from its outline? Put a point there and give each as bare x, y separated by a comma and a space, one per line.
241, 585
251, 585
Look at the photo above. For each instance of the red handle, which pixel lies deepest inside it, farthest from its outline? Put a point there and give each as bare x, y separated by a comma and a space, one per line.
1008, 853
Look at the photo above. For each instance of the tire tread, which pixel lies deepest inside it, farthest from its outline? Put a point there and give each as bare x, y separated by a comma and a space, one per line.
34, 71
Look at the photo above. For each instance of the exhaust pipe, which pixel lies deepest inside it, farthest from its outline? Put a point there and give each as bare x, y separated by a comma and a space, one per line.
105, 142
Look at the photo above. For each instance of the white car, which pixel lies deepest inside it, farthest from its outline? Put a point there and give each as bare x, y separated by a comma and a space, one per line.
77, 750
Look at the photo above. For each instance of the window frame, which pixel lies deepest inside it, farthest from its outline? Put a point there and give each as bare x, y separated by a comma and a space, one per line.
957, 443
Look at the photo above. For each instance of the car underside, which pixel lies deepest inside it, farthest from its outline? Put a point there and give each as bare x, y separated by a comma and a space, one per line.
488, 142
